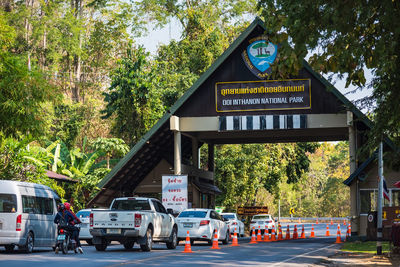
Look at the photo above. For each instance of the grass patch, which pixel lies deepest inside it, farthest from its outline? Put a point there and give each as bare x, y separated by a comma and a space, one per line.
364, 247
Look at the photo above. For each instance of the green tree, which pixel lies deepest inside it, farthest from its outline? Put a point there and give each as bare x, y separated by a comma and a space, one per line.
23, 92
345, 38
132, 98
21, 161
110, 146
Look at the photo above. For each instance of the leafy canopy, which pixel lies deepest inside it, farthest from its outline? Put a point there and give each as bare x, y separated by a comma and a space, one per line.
344, 37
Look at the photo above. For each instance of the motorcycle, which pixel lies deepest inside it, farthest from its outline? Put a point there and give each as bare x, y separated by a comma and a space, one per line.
64, 241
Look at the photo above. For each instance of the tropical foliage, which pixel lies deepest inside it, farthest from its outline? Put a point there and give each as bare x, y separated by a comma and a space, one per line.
76, 92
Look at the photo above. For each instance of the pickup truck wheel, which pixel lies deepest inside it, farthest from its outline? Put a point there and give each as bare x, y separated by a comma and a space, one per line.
89, 242
173, 240
129, 245
148, 240
102, 246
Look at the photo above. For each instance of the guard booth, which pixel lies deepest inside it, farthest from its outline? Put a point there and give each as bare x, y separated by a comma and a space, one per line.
390, 217
235, 102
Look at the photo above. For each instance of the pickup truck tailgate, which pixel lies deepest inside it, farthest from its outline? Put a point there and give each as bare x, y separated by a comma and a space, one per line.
113, 219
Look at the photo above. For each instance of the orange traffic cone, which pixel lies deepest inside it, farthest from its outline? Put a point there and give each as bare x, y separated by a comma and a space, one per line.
327, 230
295, 235
303, 235
287, 233
215, 241
259, 239
344, 223
312, 231
266, 235
317, 221
347, 234
338, 241
188, 248
273, 237
331, 221
280, 237
235, 240
253, 236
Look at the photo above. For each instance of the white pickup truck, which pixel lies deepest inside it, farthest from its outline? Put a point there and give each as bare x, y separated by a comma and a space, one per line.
133, 219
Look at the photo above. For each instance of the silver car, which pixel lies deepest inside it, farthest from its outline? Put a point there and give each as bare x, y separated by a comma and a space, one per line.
234, 223
84, 234
262, 222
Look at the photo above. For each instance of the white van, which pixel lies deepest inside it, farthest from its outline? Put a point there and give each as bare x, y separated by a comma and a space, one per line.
27, 212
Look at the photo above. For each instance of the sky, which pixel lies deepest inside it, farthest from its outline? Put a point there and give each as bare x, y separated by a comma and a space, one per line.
173, 31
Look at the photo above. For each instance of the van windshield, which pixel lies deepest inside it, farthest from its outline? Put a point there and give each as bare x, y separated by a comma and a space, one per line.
8, 203
131, 204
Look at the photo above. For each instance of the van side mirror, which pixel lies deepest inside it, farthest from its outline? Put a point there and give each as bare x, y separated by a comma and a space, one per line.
170, 211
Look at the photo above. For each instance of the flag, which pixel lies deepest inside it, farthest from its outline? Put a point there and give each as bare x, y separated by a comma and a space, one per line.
385, 190
397, 184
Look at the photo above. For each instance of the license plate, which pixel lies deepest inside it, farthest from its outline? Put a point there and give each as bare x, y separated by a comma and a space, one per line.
84, 225
260, 222
114, 231
188, 225
61, 237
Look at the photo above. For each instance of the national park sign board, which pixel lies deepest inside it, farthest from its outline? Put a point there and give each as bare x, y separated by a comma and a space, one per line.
263, 95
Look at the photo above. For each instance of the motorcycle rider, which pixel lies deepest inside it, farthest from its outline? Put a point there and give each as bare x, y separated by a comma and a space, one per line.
76, 229
66, 219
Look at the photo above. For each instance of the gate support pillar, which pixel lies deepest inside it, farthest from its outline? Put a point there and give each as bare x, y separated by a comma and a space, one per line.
354, 209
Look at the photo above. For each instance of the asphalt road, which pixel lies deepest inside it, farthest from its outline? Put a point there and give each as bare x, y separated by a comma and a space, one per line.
300, 252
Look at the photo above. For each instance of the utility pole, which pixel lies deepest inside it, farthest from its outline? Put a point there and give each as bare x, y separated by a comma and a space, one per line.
380, 200
279, 210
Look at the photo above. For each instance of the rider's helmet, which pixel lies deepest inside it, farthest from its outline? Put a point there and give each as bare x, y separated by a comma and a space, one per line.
60, 207
67, 206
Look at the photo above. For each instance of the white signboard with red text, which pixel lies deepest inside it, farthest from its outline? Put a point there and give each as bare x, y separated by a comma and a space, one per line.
174, 192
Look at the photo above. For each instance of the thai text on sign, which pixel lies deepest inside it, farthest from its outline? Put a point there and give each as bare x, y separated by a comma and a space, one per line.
263, 95
174, 192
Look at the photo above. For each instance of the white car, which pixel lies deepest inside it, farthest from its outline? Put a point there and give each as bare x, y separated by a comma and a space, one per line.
234, 223
84, 233
262, 221
201, 224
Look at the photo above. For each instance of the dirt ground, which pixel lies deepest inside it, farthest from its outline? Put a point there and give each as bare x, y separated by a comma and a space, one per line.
342, 259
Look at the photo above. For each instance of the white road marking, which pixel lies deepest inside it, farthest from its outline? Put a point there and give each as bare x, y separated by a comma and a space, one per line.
304, 254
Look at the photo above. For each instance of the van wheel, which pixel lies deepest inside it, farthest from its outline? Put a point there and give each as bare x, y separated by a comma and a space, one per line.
9, 248
148, 240
173, 239
29, 243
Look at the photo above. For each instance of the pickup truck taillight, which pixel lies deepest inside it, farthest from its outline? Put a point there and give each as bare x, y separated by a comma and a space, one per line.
234, 223
18, 224
138, 219
91, 219
204, 222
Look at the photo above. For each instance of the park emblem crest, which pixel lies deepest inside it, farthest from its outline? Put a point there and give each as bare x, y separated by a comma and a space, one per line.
259, 56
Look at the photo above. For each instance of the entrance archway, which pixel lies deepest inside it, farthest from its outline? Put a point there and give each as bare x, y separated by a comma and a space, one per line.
234, 102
